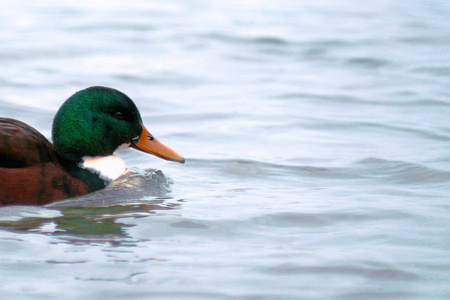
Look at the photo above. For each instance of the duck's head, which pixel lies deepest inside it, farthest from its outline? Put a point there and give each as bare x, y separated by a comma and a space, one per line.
97, 121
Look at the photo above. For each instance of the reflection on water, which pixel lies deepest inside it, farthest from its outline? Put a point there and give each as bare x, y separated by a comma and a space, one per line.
84, 220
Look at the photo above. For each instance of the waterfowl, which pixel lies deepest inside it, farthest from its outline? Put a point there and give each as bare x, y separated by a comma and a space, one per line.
87, 129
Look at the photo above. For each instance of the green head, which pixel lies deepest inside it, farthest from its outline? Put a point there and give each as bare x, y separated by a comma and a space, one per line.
95, 122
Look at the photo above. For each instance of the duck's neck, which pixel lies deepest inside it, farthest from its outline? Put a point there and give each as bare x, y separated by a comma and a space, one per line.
92, 180
96, 172
108, 168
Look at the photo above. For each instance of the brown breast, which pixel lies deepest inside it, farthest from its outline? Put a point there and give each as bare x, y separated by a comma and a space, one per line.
39, 184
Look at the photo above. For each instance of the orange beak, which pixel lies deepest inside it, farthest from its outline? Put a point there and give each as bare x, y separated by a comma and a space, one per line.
150, 144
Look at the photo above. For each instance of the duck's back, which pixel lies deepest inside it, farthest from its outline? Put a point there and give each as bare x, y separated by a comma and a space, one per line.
22, 146
29, 170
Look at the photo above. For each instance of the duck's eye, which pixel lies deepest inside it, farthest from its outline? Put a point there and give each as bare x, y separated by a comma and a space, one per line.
118, 115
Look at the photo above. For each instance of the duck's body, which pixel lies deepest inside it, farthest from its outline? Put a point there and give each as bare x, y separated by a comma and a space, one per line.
30, 172
87, 129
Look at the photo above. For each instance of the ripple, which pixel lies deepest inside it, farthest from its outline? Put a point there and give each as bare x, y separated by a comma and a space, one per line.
260, 40
323, 219
400, 172
367, 62
386, 171
258, 169
438, 71
352, 100
188, 224
384, 273
367, 126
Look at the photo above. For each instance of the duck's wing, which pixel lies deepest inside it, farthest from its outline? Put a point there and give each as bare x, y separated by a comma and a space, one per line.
29, 170
22, 146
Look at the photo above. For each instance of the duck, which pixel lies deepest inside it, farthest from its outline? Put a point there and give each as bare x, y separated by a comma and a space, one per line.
87, 130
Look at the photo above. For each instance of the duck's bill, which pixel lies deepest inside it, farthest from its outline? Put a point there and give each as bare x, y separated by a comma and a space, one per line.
148, 143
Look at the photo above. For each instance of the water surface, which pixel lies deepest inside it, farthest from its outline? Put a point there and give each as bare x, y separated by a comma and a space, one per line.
316, 137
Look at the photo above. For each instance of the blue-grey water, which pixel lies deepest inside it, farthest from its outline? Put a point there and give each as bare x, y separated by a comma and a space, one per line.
316, 134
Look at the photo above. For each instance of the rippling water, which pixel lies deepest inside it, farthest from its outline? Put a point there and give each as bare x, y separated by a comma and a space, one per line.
317, 144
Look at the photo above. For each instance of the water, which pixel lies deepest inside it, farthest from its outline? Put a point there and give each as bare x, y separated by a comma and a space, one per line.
316, 136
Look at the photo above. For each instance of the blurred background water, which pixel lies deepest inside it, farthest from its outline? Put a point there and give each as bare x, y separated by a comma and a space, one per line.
316, 135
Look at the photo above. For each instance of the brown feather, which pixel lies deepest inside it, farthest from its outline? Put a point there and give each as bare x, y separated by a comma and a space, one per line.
29, 170
22, 146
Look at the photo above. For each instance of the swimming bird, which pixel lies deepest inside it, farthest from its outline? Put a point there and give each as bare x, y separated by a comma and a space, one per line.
87, 129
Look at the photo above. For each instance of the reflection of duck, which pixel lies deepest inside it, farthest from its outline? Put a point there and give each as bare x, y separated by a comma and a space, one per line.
87, 129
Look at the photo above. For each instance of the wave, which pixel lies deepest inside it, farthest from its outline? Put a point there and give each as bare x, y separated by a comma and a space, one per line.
330, 218
400, 172
378, 169
264, 40
353, 100
257, 169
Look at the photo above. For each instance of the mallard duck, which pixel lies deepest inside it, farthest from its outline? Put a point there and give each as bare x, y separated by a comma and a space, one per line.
87, 129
